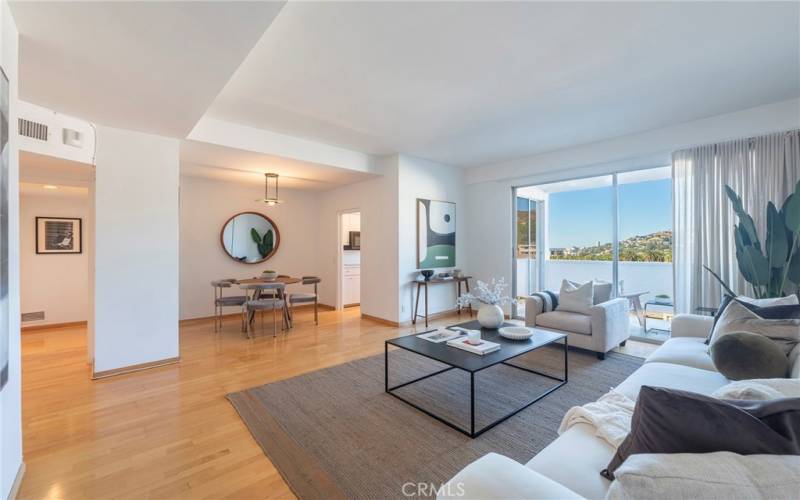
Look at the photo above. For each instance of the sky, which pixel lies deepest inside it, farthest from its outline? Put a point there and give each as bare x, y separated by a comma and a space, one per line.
582, 218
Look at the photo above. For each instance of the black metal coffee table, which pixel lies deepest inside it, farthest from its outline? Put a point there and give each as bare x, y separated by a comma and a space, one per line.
473, 363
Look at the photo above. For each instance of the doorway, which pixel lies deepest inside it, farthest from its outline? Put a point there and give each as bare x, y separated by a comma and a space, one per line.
349, 262
56, 245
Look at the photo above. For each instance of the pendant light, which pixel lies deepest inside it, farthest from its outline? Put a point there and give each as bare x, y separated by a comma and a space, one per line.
270, 200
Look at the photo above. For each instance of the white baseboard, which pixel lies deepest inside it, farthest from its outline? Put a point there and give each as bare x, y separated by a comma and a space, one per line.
17, 482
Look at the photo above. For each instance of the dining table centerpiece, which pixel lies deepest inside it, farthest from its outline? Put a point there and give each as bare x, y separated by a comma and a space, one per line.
489, 299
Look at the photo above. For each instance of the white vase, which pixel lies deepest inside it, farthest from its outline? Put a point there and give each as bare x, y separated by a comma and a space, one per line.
490, 316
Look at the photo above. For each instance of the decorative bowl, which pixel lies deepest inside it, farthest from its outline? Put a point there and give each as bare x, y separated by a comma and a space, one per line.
515, 332
427, 273
269, 275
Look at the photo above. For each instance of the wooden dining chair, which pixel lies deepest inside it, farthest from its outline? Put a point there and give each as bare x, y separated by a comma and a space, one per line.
256, 302
307, 297
220, 301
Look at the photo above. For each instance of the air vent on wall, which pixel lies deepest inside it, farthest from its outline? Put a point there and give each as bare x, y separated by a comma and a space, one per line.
34, 130
33, 316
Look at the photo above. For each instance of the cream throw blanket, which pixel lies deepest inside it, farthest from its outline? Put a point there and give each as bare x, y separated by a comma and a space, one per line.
611, 414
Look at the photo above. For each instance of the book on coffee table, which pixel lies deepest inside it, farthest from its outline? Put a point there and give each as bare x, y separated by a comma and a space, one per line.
484, 347
437, 336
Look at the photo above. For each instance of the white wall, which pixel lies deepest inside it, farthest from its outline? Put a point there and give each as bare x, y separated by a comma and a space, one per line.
10, 396
56, 284
643, 150
56, 123
136, 249
433, 181
205, 207
489, 245
376, 199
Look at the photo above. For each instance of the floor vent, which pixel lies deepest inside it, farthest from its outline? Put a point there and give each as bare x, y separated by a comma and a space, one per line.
34, 130
33, 316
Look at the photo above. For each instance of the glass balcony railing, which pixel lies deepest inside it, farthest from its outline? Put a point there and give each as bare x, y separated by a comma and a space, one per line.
654, 278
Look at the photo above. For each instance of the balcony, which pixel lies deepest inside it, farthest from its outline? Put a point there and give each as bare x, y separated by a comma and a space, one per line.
652, 277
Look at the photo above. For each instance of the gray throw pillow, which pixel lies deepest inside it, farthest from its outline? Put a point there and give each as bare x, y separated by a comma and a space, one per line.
739, 317
772, 308
672, 421
602, 291
743, 356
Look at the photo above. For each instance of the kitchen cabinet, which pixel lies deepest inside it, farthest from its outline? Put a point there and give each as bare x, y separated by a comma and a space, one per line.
351, 293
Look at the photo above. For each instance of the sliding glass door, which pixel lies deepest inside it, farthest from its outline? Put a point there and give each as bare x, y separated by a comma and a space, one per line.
615, 228
581, 231
526, 250
645, 248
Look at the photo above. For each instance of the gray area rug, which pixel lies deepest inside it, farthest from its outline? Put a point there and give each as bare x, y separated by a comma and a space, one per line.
335, 433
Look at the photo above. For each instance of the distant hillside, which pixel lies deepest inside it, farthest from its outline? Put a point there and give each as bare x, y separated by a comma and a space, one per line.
653, 247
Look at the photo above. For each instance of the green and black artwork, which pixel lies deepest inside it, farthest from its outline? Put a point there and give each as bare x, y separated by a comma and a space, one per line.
436, 234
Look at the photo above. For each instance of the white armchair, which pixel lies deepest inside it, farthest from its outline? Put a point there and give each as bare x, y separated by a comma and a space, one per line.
605, 328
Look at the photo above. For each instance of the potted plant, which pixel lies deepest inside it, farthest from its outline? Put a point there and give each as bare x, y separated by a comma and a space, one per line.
772, 269
663, 298
489, 297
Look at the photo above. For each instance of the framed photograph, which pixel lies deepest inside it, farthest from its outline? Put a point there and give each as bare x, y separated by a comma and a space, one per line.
436, 234
59, 235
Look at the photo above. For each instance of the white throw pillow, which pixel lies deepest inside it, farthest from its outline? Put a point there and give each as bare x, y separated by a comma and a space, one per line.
738, 318
601, 290
574, 298
721, 475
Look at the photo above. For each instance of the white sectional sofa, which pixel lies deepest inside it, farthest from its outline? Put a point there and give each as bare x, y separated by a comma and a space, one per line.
570, 466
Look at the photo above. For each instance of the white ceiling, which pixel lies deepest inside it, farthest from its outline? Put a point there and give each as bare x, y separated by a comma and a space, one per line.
472, 83
463, 83
148, 66
201, 159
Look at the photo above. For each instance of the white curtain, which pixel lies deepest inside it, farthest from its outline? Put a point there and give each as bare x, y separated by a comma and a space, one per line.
759, 169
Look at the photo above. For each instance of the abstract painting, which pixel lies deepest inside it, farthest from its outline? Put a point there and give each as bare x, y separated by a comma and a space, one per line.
436, 234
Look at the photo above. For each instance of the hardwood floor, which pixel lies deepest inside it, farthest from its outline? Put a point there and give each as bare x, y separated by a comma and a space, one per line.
169, 432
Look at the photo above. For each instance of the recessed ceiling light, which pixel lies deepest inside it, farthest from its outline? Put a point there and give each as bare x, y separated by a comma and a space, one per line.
50, 186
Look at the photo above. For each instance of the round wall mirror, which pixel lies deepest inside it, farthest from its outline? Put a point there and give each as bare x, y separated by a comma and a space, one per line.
250, 237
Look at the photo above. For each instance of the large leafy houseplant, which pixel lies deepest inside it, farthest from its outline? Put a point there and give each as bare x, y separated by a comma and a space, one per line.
773, 269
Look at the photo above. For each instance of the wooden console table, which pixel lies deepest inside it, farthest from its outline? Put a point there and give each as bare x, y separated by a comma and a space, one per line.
424, 284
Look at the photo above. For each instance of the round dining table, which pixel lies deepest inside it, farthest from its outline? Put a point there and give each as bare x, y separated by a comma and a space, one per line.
286, 280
